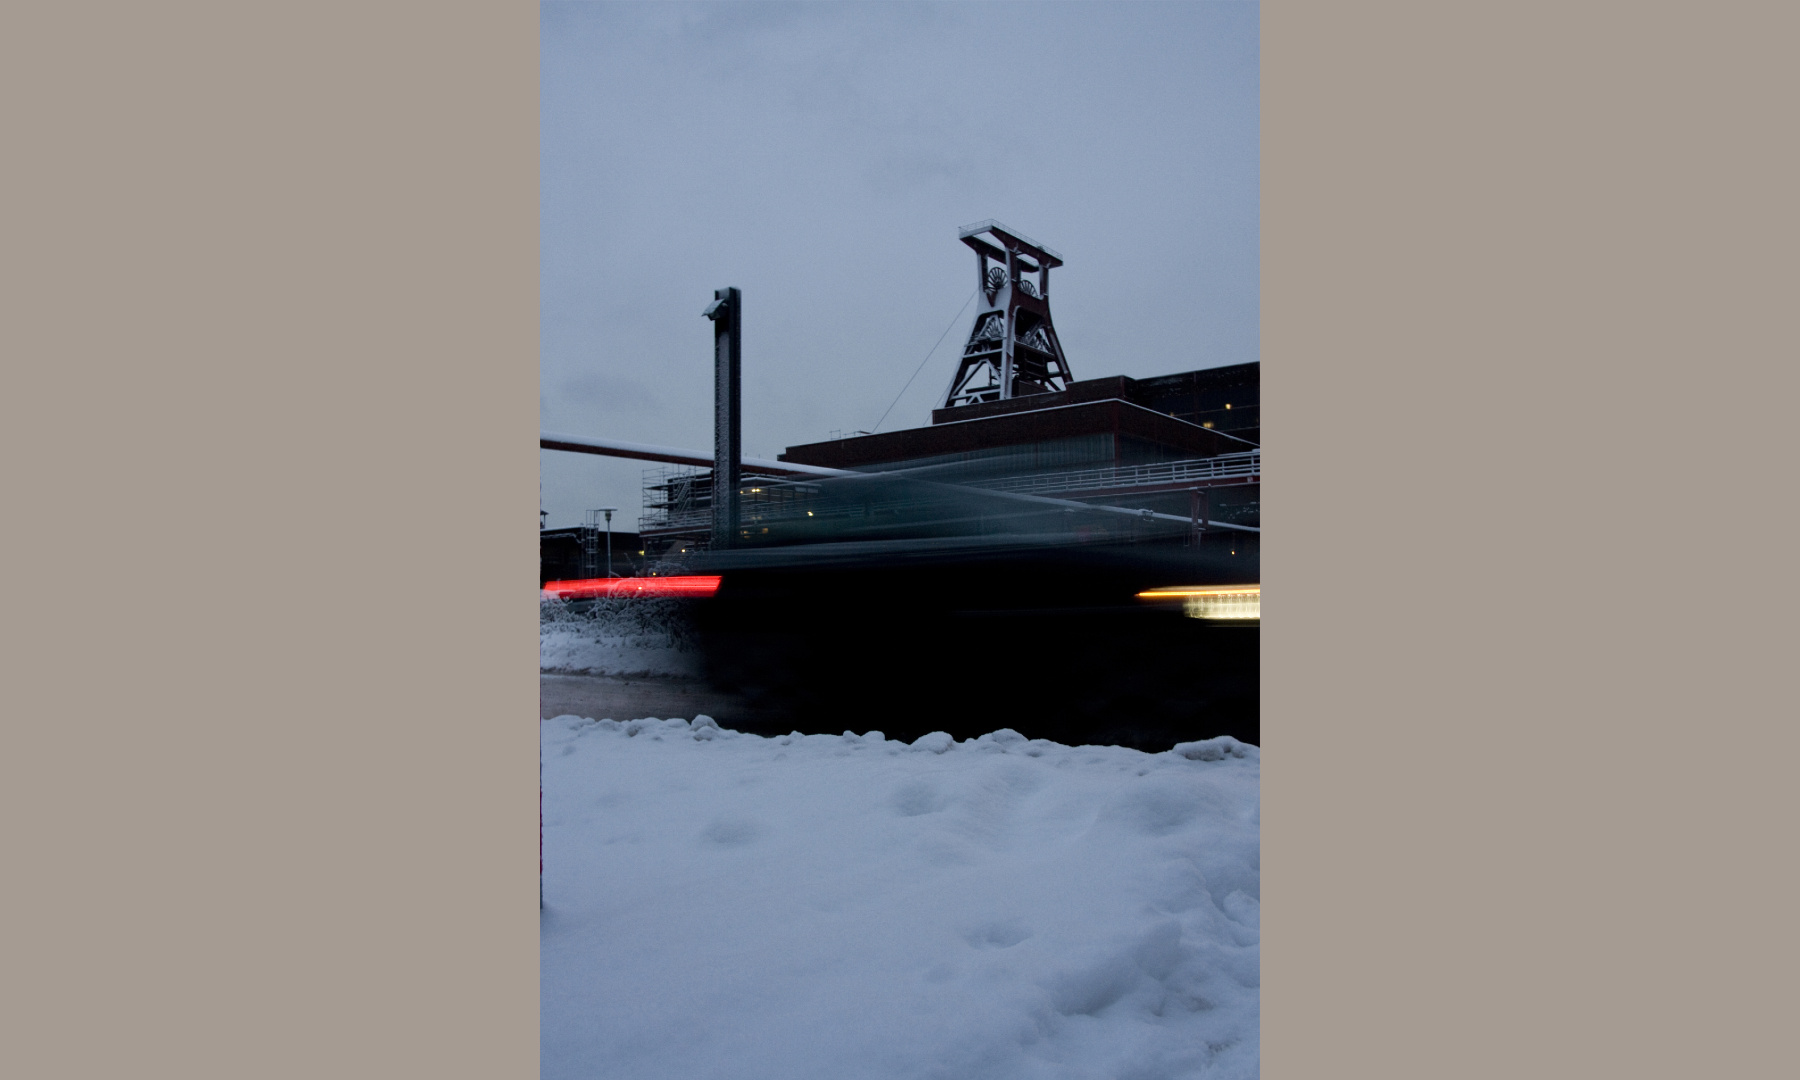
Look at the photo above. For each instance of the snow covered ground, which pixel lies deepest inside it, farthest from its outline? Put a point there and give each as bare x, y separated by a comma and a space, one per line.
720, 905
626, 639
585, 653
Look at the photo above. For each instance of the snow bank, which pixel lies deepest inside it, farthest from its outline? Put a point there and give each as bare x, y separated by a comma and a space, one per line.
841, 906
626, 638
577, 652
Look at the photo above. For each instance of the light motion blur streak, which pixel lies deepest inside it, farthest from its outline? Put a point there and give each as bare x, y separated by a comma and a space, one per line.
1212, 601
692, 585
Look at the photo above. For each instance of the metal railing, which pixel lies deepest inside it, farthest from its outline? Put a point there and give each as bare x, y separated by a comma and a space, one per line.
681, 499
1242, 466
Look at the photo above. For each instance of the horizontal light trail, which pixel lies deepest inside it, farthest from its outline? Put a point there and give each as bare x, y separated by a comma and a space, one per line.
1236, 603
596, 588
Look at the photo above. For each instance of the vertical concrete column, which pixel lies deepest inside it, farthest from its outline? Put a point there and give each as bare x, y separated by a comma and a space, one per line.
728, 438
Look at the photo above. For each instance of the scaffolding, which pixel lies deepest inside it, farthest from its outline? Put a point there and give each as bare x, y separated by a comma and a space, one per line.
678, 503
677, 500
590, 549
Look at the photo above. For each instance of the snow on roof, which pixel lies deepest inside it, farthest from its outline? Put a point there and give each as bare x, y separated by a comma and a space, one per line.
990, 225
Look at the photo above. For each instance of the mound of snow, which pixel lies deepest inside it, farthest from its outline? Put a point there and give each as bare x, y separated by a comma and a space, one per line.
631, 638
579, 650
834, 906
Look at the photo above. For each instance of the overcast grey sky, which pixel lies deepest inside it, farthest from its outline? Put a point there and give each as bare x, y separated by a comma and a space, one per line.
821, 157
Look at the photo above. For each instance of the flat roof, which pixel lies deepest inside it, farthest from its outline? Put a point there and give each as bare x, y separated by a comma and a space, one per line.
990, 225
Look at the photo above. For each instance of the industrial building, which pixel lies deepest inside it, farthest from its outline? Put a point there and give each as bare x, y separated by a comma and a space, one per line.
1014, 422
1167, 444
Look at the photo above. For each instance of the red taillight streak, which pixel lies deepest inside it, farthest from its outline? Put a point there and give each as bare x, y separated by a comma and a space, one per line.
691, 585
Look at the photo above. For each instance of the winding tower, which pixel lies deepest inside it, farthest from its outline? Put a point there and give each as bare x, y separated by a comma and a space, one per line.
1012, 349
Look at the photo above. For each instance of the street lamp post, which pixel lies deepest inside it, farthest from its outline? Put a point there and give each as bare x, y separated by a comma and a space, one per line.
608, 511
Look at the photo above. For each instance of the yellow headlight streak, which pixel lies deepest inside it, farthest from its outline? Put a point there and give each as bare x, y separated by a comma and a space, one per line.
1212, 601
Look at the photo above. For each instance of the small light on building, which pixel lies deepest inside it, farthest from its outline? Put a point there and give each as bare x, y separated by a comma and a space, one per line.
1207, 424
1228, 404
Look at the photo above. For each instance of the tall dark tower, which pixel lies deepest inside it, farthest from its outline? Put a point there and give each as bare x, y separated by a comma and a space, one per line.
1012, 349
726, 313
